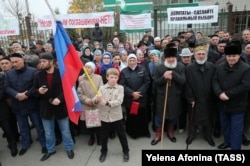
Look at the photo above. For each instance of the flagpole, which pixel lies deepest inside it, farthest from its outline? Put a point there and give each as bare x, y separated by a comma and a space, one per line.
91, 81
52, 12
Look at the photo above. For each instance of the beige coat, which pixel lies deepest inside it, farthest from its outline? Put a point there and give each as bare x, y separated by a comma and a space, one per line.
114, 95
86, 92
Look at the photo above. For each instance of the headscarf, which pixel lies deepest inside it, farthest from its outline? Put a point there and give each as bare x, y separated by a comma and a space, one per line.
105, 67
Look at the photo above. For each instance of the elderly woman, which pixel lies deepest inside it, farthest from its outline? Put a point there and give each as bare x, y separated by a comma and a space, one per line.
86, 94
135, 80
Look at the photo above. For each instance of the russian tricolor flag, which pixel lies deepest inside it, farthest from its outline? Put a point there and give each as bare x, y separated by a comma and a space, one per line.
69, 64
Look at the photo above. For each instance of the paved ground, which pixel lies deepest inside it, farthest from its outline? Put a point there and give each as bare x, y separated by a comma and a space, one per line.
88, 155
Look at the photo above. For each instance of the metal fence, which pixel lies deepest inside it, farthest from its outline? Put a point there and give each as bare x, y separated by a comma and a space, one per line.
231, 21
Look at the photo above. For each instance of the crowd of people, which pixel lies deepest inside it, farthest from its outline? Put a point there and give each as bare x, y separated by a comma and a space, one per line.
185, 82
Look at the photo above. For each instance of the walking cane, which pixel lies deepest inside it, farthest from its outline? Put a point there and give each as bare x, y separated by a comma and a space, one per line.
164, 111
190, 125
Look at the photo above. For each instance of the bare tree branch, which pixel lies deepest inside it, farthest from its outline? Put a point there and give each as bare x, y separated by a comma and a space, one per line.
13, 7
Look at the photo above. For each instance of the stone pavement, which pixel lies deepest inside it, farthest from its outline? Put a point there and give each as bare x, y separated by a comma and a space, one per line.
89, 155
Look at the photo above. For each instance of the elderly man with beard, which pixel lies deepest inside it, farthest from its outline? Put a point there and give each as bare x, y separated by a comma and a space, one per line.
48, 87
200, 94
231, 86
169, 72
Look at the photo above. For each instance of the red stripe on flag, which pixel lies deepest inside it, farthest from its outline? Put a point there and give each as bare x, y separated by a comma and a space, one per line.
73, 65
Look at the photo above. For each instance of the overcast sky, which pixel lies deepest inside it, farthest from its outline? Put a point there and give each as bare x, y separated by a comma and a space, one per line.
39, 8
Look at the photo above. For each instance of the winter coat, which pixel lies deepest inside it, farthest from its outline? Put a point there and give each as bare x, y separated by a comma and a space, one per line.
18, 81
47, 110
136, 80
173, 106
86, 92
235, 82
199, 89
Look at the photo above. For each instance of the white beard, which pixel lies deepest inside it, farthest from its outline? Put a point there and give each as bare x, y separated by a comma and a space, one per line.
170, 66
201, 62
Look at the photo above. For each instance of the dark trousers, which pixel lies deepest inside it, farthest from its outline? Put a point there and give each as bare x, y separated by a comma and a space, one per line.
117, 126
186, 107
232, 129
9, 132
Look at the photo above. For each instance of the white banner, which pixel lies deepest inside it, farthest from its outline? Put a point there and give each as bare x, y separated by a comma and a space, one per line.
136, 21
82, 20
9, 27
193, 15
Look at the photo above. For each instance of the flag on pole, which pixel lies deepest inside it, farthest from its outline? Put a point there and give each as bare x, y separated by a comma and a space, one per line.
69, 64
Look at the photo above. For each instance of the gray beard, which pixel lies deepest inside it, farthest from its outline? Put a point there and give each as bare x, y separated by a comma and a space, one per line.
170, 66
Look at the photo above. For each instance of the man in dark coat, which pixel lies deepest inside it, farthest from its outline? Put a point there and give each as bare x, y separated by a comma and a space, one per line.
18, 85
173, 73
231, 86
5, 119
48, 86
97, 34
200, 94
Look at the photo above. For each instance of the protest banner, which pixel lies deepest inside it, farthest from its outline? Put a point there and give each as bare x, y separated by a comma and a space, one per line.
9, 27
82, 20
135, 22
193, 15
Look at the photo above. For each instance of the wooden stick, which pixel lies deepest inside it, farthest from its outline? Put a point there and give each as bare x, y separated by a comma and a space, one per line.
164, 113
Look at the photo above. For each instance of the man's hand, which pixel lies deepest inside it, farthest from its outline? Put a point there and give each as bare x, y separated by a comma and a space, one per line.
168, 75
42, 90
55, 101
193, 103
223, 96
21, 96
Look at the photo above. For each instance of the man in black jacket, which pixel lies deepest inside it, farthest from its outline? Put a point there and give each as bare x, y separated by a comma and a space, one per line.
18, 84
97, 34
231, 86
48, 86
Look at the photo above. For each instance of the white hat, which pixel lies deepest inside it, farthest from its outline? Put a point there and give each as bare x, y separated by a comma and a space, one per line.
91, 64
186, 52
131, 56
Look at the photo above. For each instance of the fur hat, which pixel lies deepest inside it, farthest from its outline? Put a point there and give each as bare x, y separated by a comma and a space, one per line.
232, 50
170, 52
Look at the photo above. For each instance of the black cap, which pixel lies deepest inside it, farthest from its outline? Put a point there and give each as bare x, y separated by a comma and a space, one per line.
17, 55
47, 56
